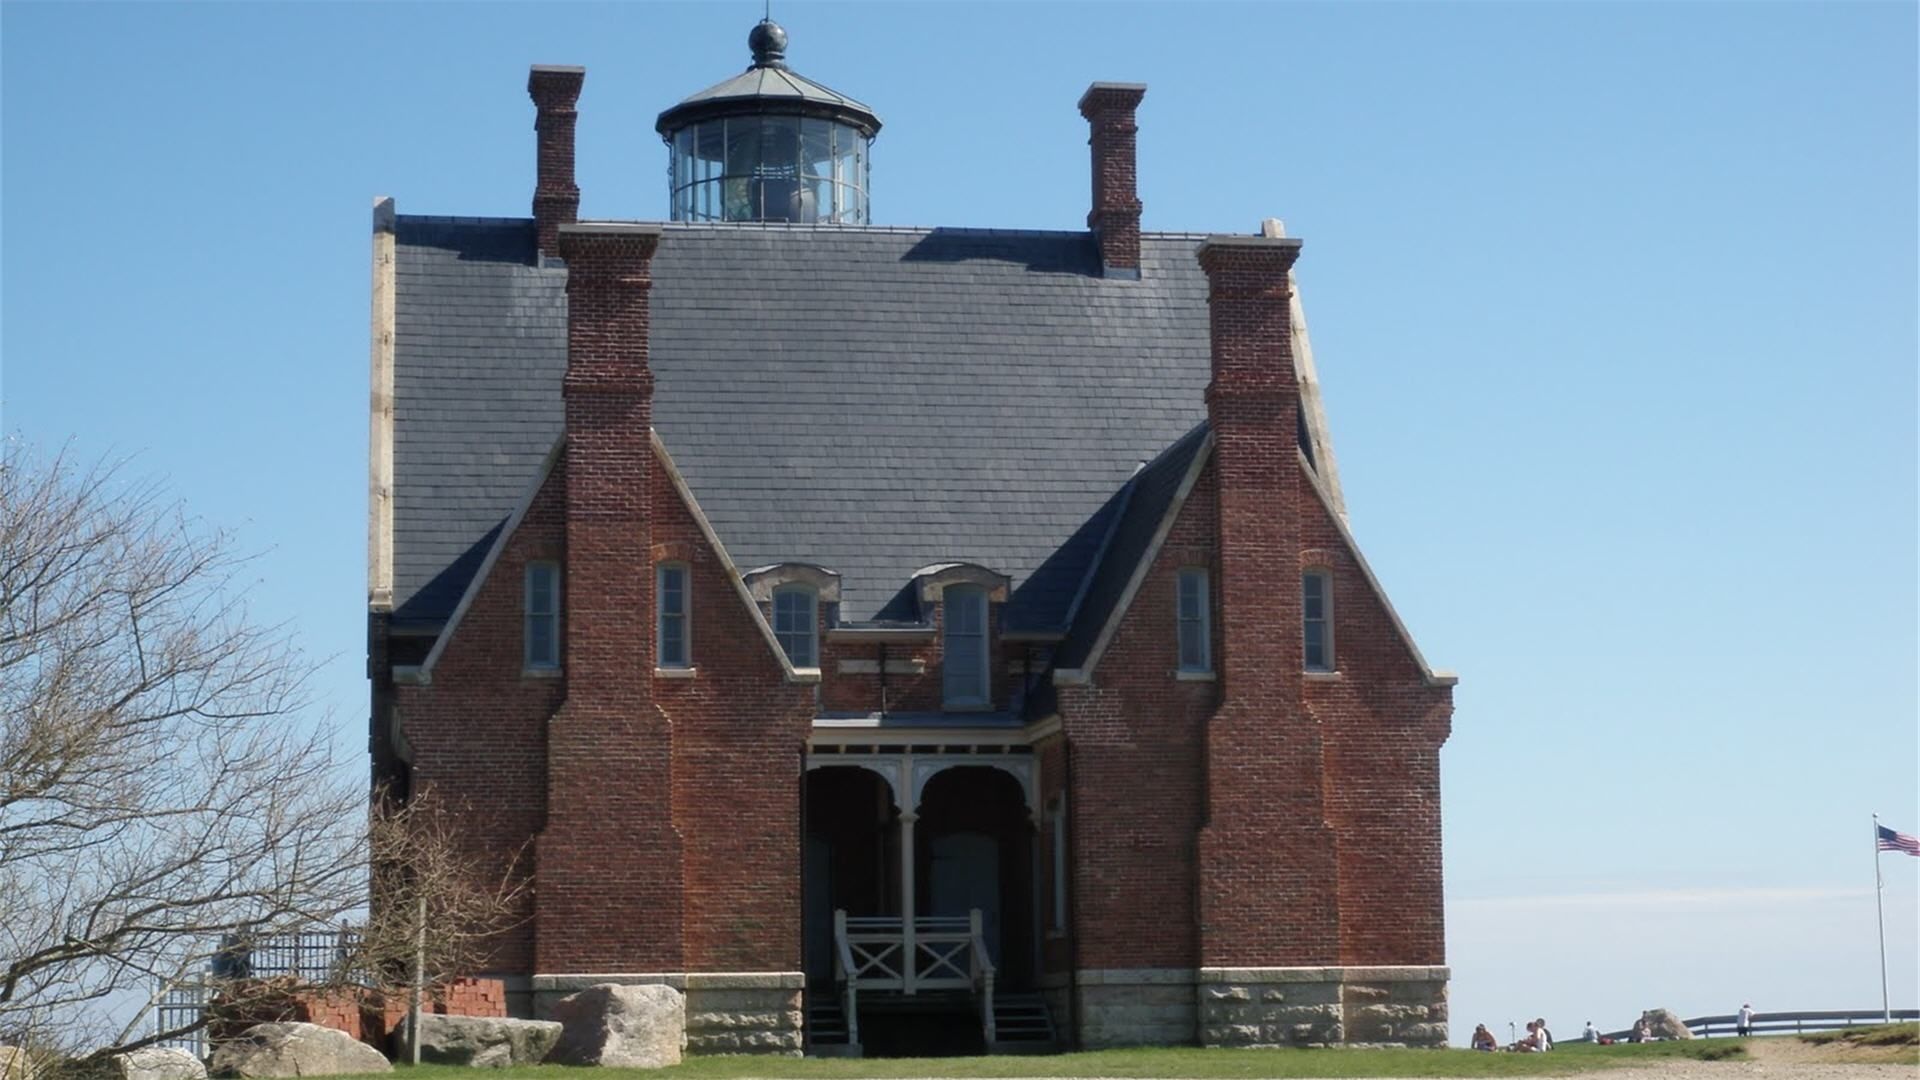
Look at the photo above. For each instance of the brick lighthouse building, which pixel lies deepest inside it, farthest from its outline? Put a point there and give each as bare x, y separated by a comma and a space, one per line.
894, 634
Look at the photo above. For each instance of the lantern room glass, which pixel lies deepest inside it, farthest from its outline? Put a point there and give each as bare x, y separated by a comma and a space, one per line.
769, 168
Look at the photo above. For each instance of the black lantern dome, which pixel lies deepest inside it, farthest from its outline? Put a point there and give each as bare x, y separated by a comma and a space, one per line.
769, 145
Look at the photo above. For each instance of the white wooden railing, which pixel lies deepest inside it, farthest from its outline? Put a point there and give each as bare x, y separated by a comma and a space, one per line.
843, 970
933, 952
982, 976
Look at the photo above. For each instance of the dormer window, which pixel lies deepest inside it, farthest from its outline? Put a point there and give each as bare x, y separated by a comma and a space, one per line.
790, 596
964, 647
795, 624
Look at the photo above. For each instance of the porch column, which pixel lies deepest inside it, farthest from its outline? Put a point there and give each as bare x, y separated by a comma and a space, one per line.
909, 950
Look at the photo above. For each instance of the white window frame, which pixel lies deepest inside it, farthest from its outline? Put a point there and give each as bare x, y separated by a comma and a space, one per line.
809, 632
528, 660
1328, 657
1201, 623
660, 616
950, 598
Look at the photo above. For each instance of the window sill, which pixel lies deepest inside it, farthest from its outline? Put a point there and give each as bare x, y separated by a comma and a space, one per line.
675, 672
542, 673
1321, 676
976, 707
1195, 676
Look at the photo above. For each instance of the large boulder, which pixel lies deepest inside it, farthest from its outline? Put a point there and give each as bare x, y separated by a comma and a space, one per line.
1664, 1025
156, 1063
484, 1042
294, 1049
630, 1027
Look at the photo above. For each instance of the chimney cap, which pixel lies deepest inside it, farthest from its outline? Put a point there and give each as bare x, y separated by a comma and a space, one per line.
612, 228
1122, 90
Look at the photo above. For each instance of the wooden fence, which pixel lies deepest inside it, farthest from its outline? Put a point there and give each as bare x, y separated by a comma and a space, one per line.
1784, 1023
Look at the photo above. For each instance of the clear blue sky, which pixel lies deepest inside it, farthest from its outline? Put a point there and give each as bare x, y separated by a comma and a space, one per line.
1614, 304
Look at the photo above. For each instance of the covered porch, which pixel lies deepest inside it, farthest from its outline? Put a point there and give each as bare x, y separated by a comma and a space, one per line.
921, 892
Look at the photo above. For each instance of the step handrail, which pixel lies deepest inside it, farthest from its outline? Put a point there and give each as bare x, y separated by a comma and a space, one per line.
983, 976
843, 973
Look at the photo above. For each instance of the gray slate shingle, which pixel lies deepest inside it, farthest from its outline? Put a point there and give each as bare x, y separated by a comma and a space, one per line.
873, 400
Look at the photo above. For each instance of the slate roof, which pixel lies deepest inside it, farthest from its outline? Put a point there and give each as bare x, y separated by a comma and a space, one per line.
1146, 501
872, 400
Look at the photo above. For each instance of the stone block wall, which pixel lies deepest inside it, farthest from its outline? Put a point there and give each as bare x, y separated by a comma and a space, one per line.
745, 1013
1304, 1006
1134, 1007
1401, 1006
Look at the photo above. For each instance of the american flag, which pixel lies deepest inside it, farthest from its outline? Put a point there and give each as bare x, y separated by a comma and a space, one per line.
1896, 841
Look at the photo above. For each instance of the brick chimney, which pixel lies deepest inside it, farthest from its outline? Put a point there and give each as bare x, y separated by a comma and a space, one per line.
609, 749
1115, 217
556, 198
1268, 872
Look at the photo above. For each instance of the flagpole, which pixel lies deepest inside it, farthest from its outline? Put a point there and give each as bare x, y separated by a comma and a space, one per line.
1879, 909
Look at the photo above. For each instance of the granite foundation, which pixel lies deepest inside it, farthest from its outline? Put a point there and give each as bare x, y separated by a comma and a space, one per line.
1323, 1006
1134, 1007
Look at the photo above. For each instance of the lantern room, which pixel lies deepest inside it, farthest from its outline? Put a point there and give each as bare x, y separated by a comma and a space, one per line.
769, 145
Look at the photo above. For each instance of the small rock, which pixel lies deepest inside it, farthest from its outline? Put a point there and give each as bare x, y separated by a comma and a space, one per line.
157, 1063
483, 1042
295, 1049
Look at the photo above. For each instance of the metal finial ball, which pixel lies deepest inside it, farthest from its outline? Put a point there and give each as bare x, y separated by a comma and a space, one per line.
768, 42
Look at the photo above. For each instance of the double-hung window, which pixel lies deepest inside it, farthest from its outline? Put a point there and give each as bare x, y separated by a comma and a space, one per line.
794, 621
543, 616
675, 637
964, 650
1316, 605
1191, 615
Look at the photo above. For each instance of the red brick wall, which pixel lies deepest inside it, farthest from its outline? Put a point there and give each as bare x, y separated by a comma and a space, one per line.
610, 890
1383, 729
367, 1015
739, 742
478, 733
1056, 948
1268, 877
1137, 737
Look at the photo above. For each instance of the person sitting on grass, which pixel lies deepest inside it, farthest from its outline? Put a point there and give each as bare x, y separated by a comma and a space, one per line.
1483, 1039
1541, 1033
1532, 1043
1642, 1031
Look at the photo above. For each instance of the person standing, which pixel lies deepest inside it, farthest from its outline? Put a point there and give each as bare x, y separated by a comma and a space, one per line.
1743, 1023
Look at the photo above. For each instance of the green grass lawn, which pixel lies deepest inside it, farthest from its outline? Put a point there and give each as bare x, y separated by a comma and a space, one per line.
1877, 1035
1145, 1062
